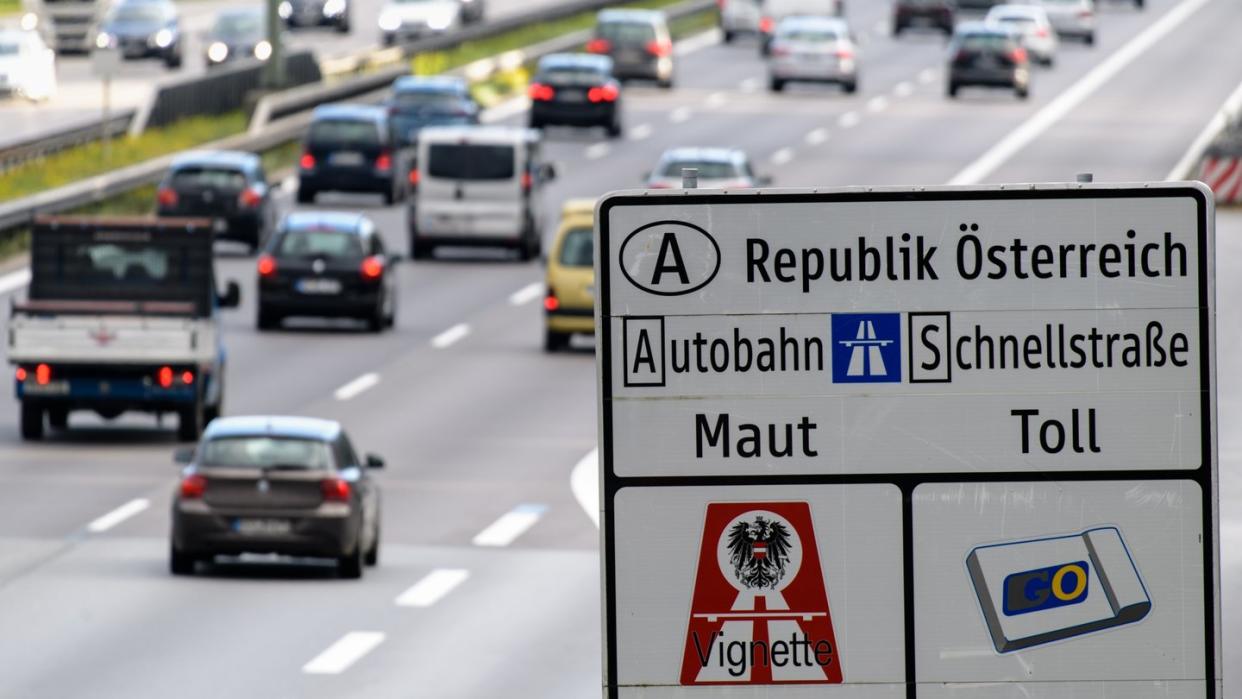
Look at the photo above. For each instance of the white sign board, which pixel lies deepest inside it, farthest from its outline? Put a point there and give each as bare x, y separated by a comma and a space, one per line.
900, 443
105, 62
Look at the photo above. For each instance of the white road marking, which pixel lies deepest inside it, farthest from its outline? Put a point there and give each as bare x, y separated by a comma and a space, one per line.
877, 104
510, 526
526, 294
597, 150
716, 100
749, 85
1065, 102
640, 132
14, 280
118, 515
927, 76
679, 115
450, 336
782, 156
816, 137
849, 120
584, 482
358, 385
698, 42
504, 110
433, 587
903, 89
345, 652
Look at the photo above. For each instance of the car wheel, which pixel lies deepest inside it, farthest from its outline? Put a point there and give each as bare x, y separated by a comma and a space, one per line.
306, 195
58, 418
897, 29
350, 565
419, 251
534, 124
1048, 61
172, 62
554, 341
31, 421
614, 129
376, 320
266, 320
776, 85
190, 422
1022, 92
372, 556
389, 40
390, 196
729, 36
666, 84
952, 91
850, 87
342, 27
390, 320
180, 563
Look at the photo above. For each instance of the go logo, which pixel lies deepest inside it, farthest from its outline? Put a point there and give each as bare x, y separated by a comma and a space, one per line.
1046, 588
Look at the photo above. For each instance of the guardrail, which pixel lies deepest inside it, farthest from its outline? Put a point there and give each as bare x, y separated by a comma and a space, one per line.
87, 132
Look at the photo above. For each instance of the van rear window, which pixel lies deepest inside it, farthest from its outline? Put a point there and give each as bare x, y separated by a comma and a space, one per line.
578, 248
345, 132
470, 162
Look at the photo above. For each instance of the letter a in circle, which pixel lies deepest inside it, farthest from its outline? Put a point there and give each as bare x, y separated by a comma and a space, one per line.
669, 245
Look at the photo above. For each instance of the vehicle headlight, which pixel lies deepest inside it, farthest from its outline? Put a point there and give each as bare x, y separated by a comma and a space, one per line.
263, 50
439, 22
217, 52
285, 9
332, 8
103, 40
30, 21
389, 22
164, 38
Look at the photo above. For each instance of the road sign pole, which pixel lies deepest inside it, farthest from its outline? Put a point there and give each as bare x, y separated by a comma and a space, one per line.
107, 108
274, 69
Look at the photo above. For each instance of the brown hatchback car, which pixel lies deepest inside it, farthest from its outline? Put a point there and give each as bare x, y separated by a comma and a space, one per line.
283, 485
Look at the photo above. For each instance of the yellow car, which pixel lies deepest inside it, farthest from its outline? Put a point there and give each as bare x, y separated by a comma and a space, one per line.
569, 302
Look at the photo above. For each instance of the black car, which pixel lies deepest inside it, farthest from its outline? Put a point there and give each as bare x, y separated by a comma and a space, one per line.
472, 11
421, 101
291, 486
638, 42
988, 55
327, 264
316, 13
576, 90
229, 187
934, 14
351, 148
236, 35
142, 29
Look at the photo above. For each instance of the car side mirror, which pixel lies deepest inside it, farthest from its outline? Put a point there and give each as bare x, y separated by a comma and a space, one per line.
547, 172
231, 297
184, 455
374, 461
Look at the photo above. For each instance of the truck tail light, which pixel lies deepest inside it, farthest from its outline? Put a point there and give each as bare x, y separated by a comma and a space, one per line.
166, 196
164, 376
20, 374
267, 265
193, 486
334, 489
187, 377
43, 374
372, 268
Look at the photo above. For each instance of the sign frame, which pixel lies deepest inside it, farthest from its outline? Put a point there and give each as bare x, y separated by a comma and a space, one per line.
1206, 475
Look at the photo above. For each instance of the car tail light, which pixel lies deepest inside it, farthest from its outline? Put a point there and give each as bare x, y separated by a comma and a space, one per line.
372, 268
414, 177
250, 198
267, 265
43, 374
307, 162
383, 162
1041, 31
193, 486
164, 376
960, 57
1085, 14
167, 196
540, 92
603, 93
187, 377
599, 46
334, 489
660, 49
20, 374
1018, 55
550, 302
527, 182
765, 25
844, 54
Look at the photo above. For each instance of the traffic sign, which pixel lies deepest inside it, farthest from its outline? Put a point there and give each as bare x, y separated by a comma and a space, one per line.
1012, 388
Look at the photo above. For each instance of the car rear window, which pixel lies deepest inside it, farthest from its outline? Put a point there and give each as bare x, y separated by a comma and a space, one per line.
809, 35
319, 242
626, 32
208, 178
344, 132
570, 76
578, 248
708, 169
281, 453
427, 100
986, 42
1015, 19
470, 162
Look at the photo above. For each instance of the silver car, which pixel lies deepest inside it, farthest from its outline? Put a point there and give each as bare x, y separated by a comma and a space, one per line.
813, 49
1032, 23
1072, 18
718, 168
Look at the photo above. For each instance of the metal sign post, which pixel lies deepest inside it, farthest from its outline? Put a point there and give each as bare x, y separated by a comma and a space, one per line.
919, 442
274, 68
106, 64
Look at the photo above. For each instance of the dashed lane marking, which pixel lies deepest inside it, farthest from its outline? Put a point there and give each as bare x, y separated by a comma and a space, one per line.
450, 336
640, 132
357, 386
782, 156
816, 137
849, 120
348, 650
597, 150
526, 294
510, 526
118, 515
432, 588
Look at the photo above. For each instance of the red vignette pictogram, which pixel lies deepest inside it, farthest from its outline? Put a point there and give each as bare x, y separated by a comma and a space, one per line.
760, 614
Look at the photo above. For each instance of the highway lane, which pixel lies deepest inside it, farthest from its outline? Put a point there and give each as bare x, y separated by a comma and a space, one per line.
472, 431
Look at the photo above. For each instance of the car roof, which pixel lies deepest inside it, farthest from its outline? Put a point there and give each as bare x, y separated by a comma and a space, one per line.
982, 28
343, 221
356, 112
816, 22
576, 60
631, 15
429, 83
273, 425
578, 207
1011, 10
223, 158
724, 155
468, 133
241, 11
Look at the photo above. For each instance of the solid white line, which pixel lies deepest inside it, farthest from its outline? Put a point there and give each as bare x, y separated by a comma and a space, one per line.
1065, 102
679, 115
640, 132
504, 110
356, 386
782, 156
716, 99
597, 150
432, 588
118, 515
14, 280
448, 337
849, 120
345, 652
584, 482
877, 104
526, 294
816, 137
903, 89
1184, 169
510, 526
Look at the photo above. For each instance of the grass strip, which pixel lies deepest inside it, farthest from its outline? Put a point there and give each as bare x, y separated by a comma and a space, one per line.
10, 7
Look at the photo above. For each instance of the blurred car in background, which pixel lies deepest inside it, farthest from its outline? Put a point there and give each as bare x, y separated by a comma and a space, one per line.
988, 55
329, 265
1032, 25
575, 89
1074, 19
933, 14
419, 101
776, 10
638, 42
569, 295
27, 65
472, 11
291, 486
229, 187
238, 34
142, 29
738, 17
407, 20
813, 49
350, 148
478, 186
316, 13
718, 168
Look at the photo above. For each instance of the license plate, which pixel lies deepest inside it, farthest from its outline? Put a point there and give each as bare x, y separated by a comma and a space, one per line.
319, 286
265, 527
346, 158
572, 97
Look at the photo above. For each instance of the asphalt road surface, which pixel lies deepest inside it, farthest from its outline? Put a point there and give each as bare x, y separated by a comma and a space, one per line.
488, 584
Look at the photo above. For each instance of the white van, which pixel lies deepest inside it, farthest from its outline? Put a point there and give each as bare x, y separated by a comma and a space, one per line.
776, 10
477, 186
